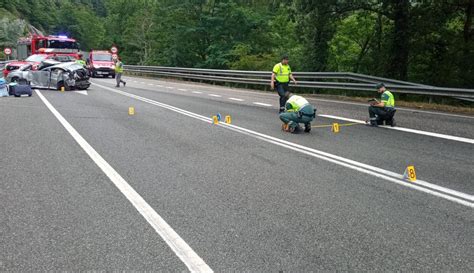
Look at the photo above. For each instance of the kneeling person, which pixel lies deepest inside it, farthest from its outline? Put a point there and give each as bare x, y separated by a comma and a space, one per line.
384, 110
297, 110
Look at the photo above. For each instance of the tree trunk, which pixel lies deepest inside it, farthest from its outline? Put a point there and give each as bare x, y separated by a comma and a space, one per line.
467, 51
398, 67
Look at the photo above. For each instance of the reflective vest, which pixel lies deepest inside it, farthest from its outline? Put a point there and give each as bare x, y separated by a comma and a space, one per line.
295, 103
119, 67
81, 62
388, 99
282, 72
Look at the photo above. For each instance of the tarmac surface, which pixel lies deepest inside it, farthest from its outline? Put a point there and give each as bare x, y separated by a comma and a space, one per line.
241, 197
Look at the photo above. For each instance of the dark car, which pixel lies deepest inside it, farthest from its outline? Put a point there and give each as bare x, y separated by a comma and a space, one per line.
53, 75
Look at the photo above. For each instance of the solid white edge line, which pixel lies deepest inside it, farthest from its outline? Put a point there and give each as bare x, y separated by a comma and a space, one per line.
236, 99
419, 132
174, 241
365, 168
197, 92
214, 95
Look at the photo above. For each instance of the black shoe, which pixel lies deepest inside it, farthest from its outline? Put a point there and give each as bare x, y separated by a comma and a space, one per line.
124, 83
393, 123
117, 86
295, 130
307, 127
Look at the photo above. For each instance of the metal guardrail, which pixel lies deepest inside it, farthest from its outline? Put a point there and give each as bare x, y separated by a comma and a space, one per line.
325, 80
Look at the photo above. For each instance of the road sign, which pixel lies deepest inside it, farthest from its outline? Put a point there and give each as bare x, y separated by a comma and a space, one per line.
7, 51
114, 56
114, 50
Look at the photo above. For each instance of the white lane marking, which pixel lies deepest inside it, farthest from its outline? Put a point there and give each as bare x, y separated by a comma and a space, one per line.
159, 85
174, 241
214, 95
181, 89
262, 104
414, 131
142, 82
82, 92
435, 190
408, 130
273, 95
150, 84
236, 99
169, 87
398, 108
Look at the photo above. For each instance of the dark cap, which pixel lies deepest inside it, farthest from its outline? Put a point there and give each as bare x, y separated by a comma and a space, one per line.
380, 85
284, 57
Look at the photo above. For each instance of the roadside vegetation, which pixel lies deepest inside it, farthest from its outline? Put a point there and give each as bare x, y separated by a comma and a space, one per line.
429, 42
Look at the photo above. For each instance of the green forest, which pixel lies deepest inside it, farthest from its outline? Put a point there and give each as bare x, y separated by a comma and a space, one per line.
424, 41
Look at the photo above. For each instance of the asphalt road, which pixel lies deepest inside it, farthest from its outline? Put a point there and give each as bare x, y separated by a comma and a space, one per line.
242, 197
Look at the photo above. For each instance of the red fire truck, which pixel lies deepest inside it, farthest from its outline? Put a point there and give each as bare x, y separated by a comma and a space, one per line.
36, 44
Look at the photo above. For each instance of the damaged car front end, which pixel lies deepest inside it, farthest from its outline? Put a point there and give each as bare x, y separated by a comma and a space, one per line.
54, 75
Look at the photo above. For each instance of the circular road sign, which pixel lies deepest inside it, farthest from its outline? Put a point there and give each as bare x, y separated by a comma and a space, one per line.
7, 51
114, 50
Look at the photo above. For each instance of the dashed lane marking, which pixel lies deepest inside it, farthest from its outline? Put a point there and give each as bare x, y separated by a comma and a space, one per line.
426, 187
262, 104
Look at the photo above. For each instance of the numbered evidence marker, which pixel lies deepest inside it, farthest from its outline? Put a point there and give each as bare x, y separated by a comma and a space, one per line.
228, 119
62, 88
215, 120
410, 173
219, 117
131, 111
335, 128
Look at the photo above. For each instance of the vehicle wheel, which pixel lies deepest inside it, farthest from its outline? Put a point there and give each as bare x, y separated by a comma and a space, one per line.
66, 87
15, 79
17, 96
30, 95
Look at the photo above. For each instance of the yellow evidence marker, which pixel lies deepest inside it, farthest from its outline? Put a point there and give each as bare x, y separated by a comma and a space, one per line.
228, 119
131, 111
335, 128
215, 119
63, 89
410, 173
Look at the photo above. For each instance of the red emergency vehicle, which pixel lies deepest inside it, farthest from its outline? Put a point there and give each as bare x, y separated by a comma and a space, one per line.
36, 44
101, 63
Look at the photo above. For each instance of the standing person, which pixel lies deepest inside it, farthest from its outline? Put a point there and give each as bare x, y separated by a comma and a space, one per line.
280, 80
384, 110
297, 110
119, 72
80, 60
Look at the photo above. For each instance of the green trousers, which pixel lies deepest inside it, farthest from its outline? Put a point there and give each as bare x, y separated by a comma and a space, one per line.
294, 118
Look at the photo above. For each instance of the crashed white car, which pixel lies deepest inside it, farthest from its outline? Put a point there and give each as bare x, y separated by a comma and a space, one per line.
53, 75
